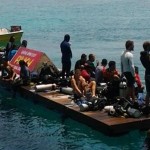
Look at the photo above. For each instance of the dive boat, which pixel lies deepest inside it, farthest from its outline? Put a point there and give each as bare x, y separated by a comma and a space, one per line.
5, 35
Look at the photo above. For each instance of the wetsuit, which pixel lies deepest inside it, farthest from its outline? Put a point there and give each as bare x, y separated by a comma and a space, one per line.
145, 60
66, 58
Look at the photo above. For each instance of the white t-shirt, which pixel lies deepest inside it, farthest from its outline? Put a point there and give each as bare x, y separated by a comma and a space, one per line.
127, 64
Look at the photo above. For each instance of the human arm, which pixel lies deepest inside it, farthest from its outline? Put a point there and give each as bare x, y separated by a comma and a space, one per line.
75, 87
121, 68
69, 50
116, 75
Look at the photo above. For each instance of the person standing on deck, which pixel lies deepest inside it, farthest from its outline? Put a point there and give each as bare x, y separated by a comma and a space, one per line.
127, 68
145, 60
66, 55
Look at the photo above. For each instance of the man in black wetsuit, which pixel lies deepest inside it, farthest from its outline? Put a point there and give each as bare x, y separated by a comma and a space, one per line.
66, 55
145, 60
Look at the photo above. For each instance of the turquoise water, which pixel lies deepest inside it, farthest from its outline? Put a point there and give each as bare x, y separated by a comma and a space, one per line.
98, 26
25, 125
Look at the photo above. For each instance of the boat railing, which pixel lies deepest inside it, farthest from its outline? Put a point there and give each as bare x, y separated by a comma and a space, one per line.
15, 28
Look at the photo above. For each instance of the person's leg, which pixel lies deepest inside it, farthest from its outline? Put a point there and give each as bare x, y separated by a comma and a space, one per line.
92, 86
68, 68
130, 86
132, 92
63, 69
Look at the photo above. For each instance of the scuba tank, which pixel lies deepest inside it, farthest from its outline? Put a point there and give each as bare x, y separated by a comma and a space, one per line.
66, 90
43, 87
108, 108
122, 89
83, 107
134, 112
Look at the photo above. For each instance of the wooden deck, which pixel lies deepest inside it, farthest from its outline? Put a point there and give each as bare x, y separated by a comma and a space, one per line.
98, 120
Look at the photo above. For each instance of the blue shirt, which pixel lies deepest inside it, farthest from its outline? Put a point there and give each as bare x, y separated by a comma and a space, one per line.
11, 54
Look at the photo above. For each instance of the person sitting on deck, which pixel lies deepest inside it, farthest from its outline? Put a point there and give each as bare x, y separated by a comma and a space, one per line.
45, 73
24, 79
111, 72
112, 78
100, 70
90, 62
80, 63
80, 86
24, 43
24, 72
12, 52
9, 46
86, 72
8, 73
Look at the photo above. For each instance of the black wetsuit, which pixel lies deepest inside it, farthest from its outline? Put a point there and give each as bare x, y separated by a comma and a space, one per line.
145, 60
66, 58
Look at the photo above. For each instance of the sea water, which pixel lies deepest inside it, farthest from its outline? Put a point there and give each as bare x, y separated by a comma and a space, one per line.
27, 125
98, 26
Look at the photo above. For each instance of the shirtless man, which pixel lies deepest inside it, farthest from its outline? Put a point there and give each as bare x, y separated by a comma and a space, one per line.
80, 86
